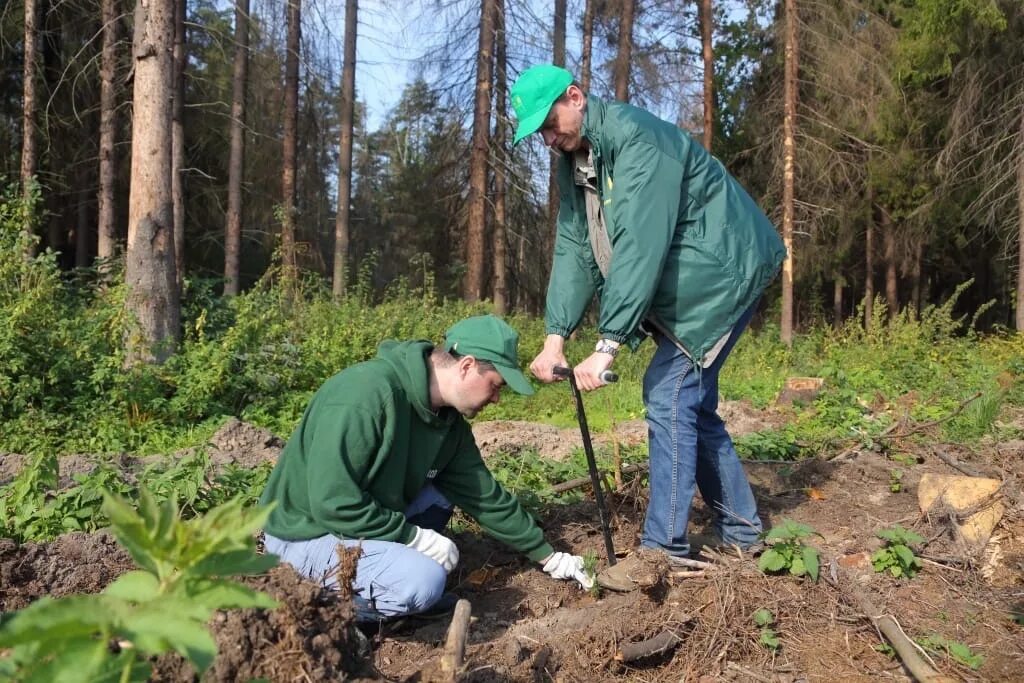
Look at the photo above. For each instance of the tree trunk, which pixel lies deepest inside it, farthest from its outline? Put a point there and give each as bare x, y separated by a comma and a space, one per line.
291, 119
625, 53
1019, 318
152, 284
915, 275
558, 59
837, 302
29, 154
107, 212
178, 141
236, 161
869, 261
348, 108
500, 162
705, 20
788, 172
83, 228
586, 52
889, 247
475, 235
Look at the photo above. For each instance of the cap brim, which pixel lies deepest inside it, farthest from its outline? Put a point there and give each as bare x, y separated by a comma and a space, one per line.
530, 125
515, 379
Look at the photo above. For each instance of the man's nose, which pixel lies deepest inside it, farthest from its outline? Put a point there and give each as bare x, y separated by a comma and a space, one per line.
549, 137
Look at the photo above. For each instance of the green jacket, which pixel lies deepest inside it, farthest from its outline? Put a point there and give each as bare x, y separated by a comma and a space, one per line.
368, 443
689, 245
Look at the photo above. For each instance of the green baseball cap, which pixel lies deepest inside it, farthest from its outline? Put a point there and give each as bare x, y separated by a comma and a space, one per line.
533, 93
489, 338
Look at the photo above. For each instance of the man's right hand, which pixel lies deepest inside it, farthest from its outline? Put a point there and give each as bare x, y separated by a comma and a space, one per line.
550, 356
439, 548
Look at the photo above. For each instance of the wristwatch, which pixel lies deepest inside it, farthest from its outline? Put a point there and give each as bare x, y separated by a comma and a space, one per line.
605, 346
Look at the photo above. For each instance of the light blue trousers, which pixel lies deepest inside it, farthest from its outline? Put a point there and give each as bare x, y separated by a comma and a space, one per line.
391, 579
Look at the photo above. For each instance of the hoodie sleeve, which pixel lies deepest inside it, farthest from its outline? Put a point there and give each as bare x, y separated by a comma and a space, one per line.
467, 482
340, 455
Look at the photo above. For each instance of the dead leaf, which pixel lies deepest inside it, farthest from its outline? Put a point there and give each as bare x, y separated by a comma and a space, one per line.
815, 494
478, 577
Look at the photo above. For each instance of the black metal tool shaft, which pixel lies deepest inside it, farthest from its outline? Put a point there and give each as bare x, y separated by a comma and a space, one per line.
588, 448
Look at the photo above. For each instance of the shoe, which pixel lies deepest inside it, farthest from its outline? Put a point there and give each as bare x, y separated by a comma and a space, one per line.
441, 609
644, 569
699, 542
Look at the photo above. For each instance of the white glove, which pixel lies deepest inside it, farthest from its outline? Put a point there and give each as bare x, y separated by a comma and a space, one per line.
439, 548
565, 566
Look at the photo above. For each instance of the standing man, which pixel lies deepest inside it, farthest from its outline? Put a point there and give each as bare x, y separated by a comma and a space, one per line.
382, 454
675, 249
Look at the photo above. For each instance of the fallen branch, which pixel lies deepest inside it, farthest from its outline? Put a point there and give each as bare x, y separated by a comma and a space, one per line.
455, 645
663, 642
585, 481
687, 575
750, 674
905, 648
956, 464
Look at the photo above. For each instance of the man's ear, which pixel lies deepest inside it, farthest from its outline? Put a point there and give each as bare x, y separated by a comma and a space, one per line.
465, 364
576, 96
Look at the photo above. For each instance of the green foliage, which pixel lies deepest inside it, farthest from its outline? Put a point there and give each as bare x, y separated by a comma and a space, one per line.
768, 638
788, 552
768, 445
162, 607
895, 480
896, 555
954, 649
590, 569
31, 511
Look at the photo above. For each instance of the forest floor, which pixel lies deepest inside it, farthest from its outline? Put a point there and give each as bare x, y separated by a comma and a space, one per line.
527, 627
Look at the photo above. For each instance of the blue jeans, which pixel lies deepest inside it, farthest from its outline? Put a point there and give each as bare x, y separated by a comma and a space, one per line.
391, 579
690, 448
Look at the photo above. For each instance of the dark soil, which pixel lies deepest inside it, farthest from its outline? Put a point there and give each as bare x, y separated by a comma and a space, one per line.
528, 627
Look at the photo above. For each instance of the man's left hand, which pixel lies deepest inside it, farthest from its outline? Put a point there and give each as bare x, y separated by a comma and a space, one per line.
564, 566
588, 373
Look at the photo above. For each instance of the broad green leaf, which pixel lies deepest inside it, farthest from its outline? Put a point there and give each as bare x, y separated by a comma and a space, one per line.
156, 631
797, 568
963, 654
222, 594
771, 561
54, 620
763, 617
69, 661
129, 530
905, 555
810, 561
769, 639
235, 562
138, 586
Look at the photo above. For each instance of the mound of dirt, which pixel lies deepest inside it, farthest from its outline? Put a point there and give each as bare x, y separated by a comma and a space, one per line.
74, 563
310, 637
243, 444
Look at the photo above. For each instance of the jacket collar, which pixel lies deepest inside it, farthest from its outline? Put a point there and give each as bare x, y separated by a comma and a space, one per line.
593, 121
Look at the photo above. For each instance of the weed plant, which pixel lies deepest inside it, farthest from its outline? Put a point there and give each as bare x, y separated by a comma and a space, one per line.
260, 356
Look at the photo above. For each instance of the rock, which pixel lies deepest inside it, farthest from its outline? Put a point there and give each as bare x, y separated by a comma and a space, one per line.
962, 494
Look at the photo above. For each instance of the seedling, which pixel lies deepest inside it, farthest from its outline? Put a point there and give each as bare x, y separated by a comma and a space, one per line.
896, 480
896, 556
162, 607
769, 639
590, 569
954, 649
788, 552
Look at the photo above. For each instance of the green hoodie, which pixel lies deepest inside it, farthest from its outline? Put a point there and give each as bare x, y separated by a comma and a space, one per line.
368, 443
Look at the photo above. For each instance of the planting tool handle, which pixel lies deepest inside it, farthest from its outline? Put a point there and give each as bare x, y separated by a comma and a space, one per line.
588, 449
606, 376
